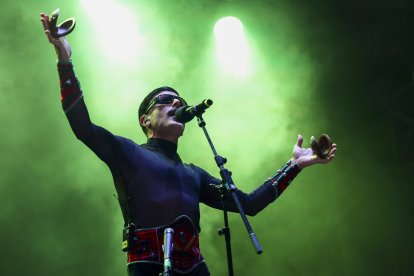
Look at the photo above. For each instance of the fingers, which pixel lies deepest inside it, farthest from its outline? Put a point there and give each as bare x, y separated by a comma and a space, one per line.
328, 158
331, 154
44, 18
333, 150
45, 22
50, 37
300, 141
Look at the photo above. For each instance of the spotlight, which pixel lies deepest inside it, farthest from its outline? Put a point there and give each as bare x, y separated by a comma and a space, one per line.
231, 45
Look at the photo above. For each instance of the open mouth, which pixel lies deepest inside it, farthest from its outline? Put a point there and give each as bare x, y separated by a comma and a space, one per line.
171, 113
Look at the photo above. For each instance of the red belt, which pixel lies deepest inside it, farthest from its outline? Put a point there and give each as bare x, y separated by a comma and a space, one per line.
186, 253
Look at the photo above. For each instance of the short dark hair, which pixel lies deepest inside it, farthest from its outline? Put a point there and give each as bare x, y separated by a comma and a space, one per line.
145, 102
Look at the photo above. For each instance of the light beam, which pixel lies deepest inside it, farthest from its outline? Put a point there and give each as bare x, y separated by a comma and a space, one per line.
231, 46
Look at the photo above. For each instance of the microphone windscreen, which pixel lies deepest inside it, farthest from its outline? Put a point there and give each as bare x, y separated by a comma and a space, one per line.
182, 115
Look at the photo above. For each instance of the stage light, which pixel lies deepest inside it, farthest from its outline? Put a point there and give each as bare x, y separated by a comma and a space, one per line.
231, 46
115, 27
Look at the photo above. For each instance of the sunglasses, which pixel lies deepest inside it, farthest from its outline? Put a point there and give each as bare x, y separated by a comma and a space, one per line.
164, 99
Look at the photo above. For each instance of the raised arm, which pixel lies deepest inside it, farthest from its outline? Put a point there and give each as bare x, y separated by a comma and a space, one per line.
99, 140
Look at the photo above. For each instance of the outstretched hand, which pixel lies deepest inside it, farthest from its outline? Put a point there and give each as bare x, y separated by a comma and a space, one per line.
62, 46
305, 157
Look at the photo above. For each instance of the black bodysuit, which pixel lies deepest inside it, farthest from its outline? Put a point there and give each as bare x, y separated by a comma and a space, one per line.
159, 185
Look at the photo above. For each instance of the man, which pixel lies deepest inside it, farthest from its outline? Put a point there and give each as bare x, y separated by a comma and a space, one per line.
155, 188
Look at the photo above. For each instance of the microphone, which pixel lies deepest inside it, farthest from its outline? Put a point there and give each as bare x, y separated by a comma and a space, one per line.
168, 246
186, 113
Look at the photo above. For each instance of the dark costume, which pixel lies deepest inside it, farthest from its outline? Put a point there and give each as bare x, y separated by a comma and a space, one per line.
154, 185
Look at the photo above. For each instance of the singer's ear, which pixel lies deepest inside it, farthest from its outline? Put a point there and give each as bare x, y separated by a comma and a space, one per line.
144, 120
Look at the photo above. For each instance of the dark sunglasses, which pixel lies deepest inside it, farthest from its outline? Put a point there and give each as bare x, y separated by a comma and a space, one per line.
164, 99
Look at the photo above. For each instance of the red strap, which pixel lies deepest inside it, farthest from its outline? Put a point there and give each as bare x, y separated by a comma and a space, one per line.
186, 253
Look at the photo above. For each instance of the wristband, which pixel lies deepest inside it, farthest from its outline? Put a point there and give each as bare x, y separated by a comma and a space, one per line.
283, 177
70, 90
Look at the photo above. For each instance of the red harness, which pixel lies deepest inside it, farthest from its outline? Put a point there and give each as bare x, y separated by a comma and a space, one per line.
185, 253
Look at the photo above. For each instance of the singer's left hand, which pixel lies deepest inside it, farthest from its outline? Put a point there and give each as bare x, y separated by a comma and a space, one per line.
305, 157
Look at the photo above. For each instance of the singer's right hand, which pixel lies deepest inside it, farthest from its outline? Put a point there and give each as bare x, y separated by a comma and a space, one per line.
62, 46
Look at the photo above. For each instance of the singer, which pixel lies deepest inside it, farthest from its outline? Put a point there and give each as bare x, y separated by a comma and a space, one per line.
156, 189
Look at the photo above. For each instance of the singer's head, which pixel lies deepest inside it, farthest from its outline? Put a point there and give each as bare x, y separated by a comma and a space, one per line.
156, 114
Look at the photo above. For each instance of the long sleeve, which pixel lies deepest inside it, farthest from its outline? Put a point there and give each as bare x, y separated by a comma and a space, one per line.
103, 143
255, 201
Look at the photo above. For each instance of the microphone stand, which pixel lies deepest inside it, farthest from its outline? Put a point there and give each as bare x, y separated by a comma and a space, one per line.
228, 187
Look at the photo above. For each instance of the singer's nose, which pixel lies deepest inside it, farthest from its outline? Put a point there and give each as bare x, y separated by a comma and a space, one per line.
176, 103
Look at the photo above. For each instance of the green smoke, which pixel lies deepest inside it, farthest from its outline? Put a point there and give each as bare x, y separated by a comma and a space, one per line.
316, 68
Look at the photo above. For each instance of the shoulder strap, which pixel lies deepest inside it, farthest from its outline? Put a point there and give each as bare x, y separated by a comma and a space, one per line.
123, 199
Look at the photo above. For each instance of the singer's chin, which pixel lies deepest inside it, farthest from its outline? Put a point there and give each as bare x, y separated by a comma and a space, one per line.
177, 128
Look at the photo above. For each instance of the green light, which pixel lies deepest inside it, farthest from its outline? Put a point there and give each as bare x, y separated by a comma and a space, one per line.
118, 36
231, 46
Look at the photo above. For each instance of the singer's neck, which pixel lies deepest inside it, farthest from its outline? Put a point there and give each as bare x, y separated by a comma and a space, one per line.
170, 131
171, 138
171, 134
